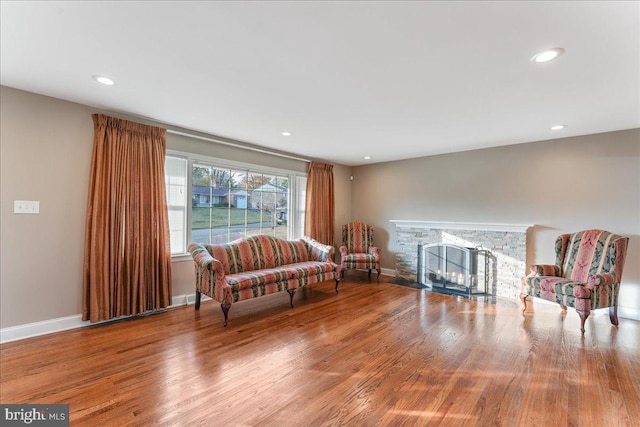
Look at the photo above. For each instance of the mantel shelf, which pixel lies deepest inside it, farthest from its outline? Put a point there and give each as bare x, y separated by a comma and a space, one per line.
454, 225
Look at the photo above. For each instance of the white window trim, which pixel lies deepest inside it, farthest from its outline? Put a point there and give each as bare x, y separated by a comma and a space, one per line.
182, 255
231, 164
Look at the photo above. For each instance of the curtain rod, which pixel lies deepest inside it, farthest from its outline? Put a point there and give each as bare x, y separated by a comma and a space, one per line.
217, 141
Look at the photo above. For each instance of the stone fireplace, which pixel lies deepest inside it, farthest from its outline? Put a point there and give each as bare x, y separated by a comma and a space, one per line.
506, 244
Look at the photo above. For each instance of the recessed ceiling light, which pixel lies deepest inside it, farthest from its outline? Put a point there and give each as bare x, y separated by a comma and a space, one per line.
367, 157
558, 127
104, 80
547, 55
286, 133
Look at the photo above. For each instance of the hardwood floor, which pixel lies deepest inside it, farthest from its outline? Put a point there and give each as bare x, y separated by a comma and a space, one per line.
374, 354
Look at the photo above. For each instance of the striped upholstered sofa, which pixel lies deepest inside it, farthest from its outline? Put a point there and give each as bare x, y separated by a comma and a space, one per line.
259, 265
586, 274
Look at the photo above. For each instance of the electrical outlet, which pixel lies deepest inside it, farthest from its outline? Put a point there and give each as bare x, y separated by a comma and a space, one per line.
26, 207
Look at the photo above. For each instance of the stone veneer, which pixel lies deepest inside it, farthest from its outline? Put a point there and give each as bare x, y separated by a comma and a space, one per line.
507, 244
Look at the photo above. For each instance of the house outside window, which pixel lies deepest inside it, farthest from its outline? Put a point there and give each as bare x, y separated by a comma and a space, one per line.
229, 200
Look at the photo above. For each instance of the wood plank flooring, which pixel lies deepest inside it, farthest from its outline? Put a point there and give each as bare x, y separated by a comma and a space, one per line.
375, 354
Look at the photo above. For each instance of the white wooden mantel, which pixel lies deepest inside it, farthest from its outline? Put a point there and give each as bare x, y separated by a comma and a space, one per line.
454, 225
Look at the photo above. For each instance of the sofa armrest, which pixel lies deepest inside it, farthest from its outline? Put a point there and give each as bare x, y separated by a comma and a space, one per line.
320, 251
200, 255
205, 261
544, 270
604, 279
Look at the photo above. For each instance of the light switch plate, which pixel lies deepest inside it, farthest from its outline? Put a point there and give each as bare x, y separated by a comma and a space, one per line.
26, 207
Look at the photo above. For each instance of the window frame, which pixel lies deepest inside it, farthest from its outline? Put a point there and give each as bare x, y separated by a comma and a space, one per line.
185, 242
293, 197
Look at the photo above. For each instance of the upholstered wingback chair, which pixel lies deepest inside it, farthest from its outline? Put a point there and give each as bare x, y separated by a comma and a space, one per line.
357, 248
586, 274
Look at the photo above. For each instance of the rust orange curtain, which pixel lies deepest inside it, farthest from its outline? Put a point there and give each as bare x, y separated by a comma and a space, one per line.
127, 258
319, 210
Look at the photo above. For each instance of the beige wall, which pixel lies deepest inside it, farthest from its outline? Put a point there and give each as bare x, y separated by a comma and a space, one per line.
561, 186
45, 155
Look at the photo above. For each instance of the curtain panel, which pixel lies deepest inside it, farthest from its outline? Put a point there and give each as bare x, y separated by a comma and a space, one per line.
127, 264
320, 209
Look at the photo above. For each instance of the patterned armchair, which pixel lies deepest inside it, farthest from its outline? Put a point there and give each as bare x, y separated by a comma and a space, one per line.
586, 274
358, 250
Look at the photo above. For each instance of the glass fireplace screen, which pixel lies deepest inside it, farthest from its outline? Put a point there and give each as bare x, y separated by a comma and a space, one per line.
453, 268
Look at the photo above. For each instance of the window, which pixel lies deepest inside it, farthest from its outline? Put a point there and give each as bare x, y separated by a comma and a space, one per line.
175, 178
227, 204
301, 201
229, 201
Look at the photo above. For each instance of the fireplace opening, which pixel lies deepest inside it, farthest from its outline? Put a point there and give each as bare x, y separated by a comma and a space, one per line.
453, 269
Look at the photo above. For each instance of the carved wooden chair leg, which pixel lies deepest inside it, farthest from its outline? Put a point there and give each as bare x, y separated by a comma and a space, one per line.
613, 315
337, 283
225, 310
523, 298
198, 296
378, 278
563, 307
583, 317
292, 292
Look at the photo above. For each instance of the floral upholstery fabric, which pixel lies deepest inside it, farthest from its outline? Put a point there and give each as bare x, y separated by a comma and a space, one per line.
587, 273
357, 250
254, 266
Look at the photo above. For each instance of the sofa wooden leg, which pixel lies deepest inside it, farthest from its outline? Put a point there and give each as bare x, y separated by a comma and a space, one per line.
225, 310
337, 283
613, 315
523, 298
378, 278
198, 296
583, 317
369, 273
292, 292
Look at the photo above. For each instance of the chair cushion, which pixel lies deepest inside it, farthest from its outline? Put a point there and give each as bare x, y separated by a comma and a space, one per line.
554, 289
547, 285
566, 291
312, 268
251, 279
359, 261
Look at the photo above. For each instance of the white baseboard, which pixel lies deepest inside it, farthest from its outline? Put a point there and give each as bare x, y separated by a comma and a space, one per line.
60, 324
35, 329
388, 272
629, 313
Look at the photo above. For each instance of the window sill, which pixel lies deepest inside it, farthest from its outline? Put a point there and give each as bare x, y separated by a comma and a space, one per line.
181, 257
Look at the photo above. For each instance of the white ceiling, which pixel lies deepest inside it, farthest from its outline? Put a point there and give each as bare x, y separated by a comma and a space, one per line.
392, 80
